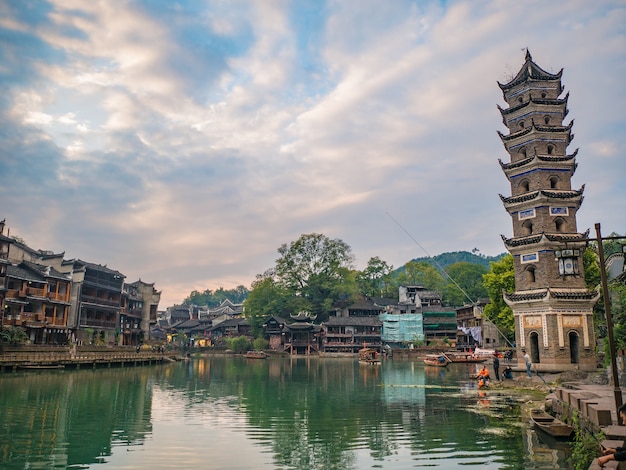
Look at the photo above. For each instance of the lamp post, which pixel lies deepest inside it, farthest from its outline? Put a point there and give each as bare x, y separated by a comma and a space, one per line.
609, 326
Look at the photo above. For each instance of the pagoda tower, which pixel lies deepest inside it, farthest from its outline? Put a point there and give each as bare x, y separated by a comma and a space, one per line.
552, 308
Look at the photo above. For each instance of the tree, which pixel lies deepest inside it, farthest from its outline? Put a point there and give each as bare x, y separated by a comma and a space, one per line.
214, 298
267, 298
500, 278
375, 279
468, 279
312, 254
420, 273
316, 270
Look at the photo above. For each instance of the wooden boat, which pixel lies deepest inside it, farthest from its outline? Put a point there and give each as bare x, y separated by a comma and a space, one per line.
369, 356
551, 425
464, 358
256, 355
436, 360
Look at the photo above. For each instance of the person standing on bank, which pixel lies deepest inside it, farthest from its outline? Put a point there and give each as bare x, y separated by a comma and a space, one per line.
528, 362
496, 366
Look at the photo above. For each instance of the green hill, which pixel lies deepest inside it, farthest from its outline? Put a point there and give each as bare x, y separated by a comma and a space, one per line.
446, 259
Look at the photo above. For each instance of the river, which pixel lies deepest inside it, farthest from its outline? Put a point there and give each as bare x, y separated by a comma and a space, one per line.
232, 413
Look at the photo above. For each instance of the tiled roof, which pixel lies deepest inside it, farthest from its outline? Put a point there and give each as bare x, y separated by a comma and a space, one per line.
530, 71
518, 297
353, 321
549, 102
563, 194
22, 272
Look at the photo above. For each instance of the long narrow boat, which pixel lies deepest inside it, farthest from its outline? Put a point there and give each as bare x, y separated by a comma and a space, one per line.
549, 424
464, 358
436, 360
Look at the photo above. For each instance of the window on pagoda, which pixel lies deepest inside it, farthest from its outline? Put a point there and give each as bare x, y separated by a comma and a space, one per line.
524, 186
543, 95
550, 149
546, 119
527, 228
522, 152
559, 224
530, 274
521, 124
554, 182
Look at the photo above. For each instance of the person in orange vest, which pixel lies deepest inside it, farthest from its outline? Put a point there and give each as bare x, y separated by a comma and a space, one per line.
483, 373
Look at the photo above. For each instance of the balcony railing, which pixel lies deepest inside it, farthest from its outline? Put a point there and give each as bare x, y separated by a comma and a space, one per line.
100, 301
96, 281
86, 323
58, 296
12, 294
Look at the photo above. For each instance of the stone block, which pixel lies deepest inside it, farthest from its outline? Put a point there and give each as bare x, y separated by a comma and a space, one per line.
576, 399
616, 434
599, 415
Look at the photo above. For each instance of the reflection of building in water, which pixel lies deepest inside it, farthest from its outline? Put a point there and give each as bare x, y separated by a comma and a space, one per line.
543, 451
76, 417
404, 385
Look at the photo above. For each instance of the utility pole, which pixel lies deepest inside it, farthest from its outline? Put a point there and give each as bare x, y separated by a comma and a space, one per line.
609, 326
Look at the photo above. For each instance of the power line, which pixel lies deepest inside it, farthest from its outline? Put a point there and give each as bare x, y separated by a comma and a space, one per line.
472, 301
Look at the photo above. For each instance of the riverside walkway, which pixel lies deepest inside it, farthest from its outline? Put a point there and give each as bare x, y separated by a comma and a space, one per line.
29, 358
595, 407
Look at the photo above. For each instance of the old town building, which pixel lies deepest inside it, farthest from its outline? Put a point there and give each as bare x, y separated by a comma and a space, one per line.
551, 305
56, 301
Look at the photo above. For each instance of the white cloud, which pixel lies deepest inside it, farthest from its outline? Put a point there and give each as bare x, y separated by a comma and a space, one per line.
197, 144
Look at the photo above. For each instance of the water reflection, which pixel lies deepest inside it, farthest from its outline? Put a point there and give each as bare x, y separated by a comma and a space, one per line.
71, 419
286, 413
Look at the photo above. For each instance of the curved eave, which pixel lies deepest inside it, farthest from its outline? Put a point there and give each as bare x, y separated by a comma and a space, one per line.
522, 241
546, 162
536, 296
543, 196
534, 127
523, 132
530, 71
546, 239
545, 295
562, 102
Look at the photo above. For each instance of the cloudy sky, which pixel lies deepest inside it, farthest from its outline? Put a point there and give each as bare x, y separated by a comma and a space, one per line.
182, 142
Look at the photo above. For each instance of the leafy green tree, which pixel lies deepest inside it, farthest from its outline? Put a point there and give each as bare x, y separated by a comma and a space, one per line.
318, 271
592, 267
376, 279
312, 254
469, 278
214, 298
267, 298
421, 273
500, 278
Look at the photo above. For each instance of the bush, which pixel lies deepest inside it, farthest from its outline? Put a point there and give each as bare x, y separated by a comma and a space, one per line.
13, 335
586, 446
239, 344
260, 344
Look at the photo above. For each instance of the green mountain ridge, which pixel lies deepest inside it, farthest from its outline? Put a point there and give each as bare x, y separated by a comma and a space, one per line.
444, 260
